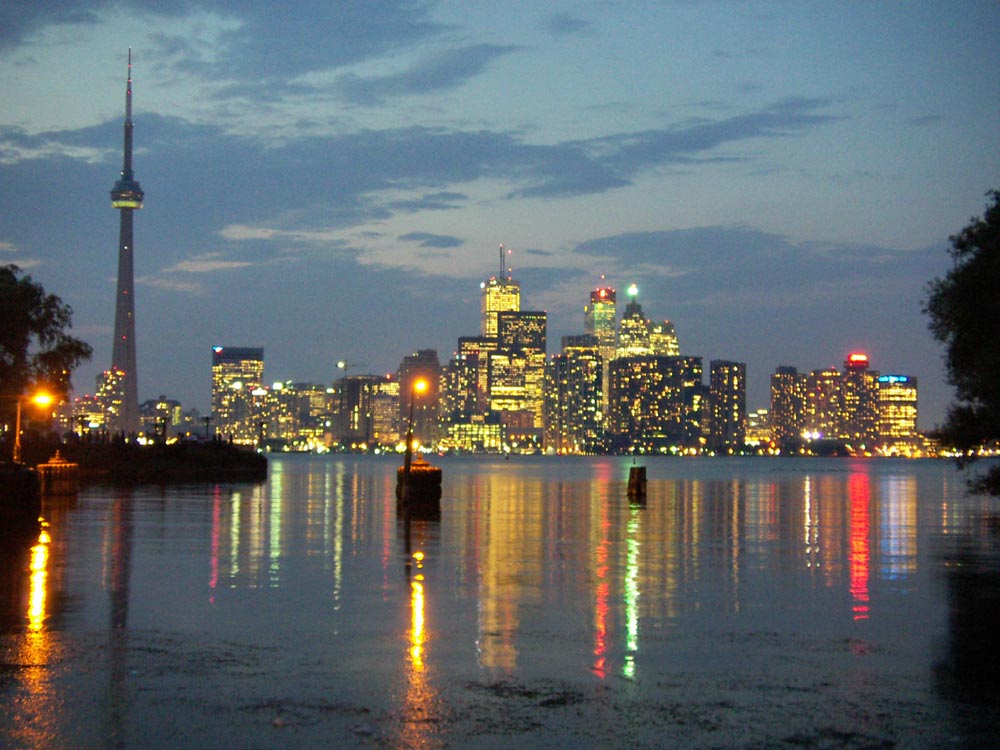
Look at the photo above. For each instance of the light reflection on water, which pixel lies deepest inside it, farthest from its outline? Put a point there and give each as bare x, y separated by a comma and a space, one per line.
539, 569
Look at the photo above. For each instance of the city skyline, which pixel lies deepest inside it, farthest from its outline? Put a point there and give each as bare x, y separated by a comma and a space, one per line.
780, 181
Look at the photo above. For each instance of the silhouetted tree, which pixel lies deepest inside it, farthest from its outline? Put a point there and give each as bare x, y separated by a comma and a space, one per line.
964, 310
35, 348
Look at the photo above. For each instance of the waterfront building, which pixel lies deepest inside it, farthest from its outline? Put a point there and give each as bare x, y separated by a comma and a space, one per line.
111, 395
859, 415
480, 433
574, 397
897, 409
728, 398
126, 197
824, 403
237, 373
655, 404
385, 411
759, 427
788, 404
159, 416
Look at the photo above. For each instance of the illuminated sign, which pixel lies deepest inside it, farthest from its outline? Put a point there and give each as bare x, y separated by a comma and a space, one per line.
858, 358
894, 379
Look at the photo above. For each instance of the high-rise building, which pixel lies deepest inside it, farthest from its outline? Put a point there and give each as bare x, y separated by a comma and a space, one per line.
599, 319
728, 397
655, 404
237, 373
126, 197
633, 329
824, 403
574, 398
788, 404
663, 339
423, 365
859, 401
517, 369
897, 408
498, 294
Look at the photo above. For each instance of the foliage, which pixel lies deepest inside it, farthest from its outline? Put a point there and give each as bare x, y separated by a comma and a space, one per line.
964, 311
35, 348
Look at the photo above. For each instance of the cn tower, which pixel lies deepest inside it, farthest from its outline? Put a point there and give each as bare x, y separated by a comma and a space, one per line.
126, 196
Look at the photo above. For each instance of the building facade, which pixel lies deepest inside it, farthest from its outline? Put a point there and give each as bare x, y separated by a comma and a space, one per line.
237, 374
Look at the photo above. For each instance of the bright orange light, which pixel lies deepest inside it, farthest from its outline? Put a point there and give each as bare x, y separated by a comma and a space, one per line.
858, 358
42, 399
420, 386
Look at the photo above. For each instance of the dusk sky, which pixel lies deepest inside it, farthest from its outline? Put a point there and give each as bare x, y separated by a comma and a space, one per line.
331, 180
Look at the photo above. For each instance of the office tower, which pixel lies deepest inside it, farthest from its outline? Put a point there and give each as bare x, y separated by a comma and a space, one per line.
498, 294
728, 398
824, 403
354, 423
655, 404
126, 196
663, 339
633, 330
421, 365
475, 351
599, 320
237, 373
897, 408
574, 398
517, 368
859, 401
788, 404
385, 411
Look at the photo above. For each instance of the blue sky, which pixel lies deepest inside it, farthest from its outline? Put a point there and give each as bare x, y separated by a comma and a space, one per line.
331, 180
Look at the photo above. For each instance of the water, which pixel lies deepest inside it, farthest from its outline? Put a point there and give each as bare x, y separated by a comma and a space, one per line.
750, 603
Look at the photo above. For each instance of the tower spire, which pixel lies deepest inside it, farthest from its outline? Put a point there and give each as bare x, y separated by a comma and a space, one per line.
126, 196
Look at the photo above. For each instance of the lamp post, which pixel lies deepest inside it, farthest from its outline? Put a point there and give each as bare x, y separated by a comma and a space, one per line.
41, 399
418, 387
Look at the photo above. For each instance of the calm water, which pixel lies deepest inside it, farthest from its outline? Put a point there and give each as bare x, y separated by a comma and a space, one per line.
749, 604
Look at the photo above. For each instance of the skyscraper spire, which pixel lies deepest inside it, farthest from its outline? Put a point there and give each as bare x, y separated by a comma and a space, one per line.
126, 196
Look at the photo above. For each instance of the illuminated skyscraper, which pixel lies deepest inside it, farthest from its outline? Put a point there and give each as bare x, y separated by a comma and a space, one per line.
655, 404
237, 372
859, 401
663, 339
599, 319
574, 401
728, 396
517, 368
897, 408
788, 404
498, 294
633, 330
824, 403
126, 196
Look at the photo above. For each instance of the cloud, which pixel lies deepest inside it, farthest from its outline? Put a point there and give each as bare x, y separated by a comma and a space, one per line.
207, 264
170, 285
445, 70
560, 24
425, 239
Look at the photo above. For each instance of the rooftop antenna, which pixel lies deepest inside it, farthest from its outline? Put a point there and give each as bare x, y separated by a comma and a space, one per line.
501, 260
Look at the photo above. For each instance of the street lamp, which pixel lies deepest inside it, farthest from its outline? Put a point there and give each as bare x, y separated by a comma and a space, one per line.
39, 399
419, 386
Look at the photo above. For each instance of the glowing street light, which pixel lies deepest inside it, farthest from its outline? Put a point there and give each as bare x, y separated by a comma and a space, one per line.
39, 399
419, 386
